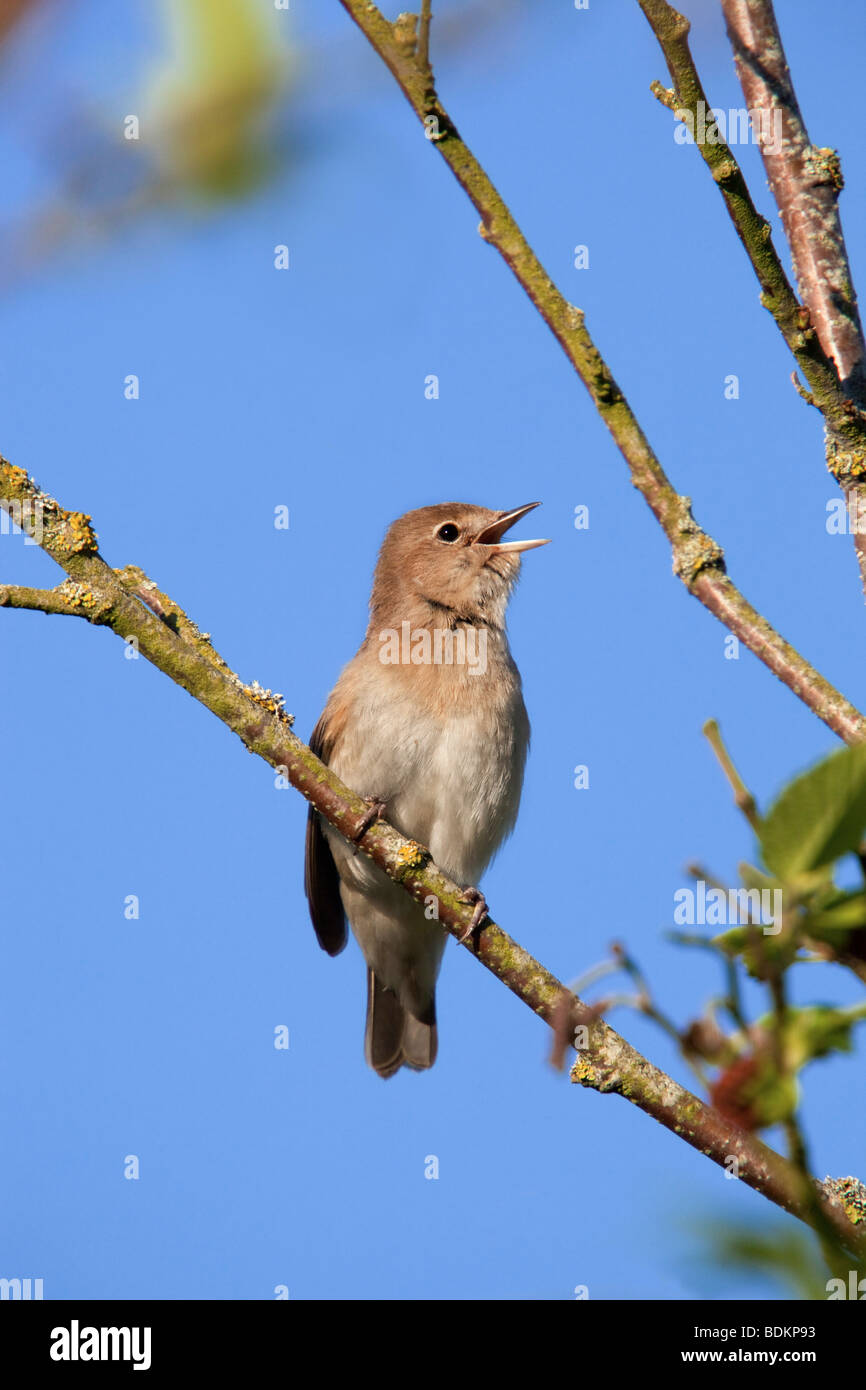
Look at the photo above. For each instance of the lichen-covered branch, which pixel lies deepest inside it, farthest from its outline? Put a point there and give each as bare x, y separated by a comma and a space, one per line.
609, 1064
68, 599
824, 332
697, 559
133, 607
844, 422
721, 597
806, 181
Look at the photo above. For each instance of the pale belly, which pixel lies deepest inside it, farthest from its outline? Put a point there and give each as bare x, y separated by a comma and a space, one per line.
453, 783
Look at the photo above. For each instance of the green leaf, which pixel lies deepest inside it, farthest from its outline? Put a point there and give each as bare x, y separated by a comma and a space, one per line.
762, 953
753, 878
818, 817
845, 912
774, 1098
815, 1031
734, 941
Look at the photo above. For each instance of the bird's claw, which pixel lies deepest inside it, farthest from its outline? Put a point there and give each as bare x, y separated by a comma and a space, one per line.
375, 811
473, 895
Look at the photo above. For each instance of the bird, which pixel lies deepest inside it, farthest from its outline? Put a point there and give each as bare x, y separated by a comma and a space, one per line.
427, 722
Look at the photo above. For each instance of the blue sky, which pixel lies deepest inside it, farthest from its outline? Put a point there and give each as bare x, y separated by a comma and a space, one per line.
154, 1037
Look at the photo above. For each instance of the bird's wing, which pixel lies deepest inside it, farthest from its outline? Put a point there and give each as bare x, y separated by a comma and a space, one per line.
321, 880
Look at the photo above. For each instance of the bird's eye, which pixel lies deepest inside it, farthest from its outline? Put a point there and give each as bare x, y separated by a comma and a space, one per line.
448, 532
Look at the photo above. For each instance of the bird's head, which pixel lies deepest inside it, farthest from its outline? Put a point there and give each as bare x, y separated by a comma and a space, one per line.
453, 558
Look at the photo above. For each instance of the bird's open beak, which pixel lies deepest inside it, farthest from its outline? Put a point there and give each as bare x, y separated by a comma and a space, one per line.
492, 534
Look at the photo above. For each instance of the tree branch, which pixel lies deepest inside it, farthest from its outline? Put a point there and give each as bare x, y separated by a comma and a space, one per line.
69, 599
794, 323
697, 559
167, 638
133, 607
825, 336
424, 34
805, 182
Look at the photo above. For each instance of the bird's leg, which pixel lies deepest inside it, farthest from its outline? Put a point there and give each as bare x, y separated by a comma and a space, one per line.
375, 811
474, 895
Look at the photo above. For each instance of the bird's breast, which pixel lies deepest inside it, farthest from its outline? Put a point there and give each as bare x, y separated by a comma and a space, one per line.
449, 769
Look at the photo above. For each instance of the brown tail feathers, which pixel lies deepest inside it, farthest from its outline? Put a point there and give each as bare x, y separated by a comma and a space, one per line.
394, 1038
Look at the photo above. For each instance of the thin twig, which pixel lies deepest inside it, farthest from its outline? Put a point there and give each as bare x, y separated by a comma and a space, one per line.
846, 425
824, 333
742, 796
697, 559
644, 1003
608, 1063
798, 1152
424, 34
68, 600
805, 182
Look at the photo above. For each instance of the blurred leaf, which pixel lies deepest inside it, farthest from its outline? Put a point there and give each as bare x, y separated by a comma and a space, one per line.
818, 817
754, 878
780, 1252
212, 97
842, 913
762, 952
752, 1094
750, 1090
817, 1030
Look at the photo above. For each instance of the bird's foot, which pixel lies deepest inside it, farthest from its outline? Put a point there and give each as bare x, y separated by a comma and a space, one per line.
375, 811
473, 895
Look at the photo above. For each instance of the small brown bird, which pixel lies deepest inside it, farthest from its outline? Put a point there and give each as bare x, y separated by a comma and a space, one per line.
427, 722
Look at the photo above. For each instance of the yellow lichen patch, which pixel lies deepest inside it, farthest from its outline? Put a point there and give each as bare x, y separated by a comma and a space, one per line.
846, 462
411, 855
694, 550
826, 167
83, 534
72, 534
851, 1193
582, 1071
82, 598
13, 475
268, 699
